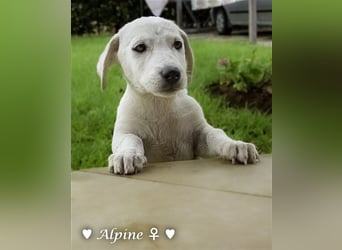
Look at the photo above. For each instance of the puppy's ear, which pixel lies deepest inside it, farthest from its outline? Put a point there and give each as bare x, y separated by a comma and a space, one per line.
188, 55
107, 58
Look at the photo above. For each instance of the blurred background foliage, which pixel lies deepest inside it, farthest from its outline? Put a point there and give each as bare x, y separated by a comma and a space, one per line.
96, 16
103, 17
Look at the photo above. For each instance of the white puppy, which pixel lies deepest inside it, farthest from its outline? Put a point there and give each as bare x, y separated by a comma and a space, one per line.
156, 119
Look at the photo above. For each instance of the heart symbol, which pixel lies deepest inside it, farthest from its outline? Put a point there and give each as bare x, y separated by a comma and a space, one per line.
170, 233
87, 233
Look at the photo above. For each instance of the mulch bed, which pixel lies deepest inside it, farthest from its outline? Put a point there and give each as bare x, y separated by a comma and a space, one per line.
256, 98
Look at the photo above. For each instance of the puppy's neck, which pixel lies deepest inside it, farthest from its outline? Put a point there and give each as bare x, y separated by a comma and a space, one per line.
153, 98
152, 104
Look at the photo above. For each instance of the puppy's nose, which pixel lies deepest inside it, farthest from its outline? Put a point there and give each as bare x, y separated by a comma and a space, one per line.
170, 74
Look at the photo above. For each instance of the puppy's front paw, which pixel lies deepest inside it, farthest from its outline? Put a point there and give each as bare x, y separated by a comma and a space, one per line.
126, 163
240, 152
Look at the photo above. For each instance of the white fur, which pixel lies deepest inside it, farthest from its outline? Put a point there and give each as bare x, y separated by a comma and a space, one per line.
153, 124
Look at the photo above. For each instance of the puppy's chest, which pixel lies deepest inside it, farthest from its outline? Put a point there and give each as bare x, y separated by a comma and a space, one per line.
168, 139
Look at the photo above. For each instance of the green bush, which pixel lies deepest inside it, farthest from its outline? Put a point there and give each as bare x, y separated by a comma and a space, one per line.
96, 16
245, 73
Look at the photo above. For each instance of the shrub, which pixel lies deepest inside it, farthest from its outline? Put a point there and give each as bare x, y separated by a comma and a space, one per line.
246, 73
96, 16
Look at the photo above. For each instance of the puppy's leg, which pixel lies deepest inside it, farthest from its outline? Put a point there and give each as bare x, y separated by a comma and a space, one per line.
214, 142
128, 155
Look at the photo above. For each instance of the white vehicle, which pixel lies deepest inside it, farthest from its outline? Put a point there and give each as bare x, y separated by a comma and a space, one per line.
235, 14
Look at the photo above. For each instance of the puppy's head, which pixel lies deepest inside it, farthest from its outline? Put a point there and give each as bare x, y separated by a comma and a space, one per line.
154, 54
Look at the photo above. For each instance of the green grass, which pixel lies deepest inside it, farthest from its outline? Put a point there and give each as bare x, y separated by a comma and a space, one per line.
94, 111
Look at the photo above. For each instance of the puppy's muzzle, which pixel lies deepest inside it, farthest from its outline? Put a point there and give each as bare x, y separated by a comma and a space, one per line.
171, 76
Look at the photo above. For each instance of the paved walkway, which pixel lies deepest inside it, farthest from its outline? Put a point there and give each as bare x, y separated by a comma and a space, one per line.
264, 39
202, 204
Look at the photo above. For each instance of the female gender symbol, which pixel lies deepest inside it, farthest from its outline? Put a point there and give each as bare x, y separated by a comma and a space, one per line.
153, 233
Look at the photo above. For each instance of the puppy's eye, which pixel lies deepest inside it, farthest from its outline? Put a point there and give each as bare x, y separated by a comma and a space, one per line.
140, 48
178, 45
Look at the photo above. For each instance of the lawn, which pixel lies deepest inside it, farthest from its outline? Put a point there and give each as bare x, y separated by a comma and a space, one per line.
94, 111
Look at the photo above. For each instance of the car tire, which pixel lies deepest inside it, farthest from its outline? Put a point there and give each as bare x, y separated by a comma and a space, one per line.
223, 26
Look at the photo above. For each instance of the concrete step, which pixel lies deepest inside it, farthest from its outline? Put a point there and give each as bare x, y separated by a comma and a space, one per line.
210, 203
